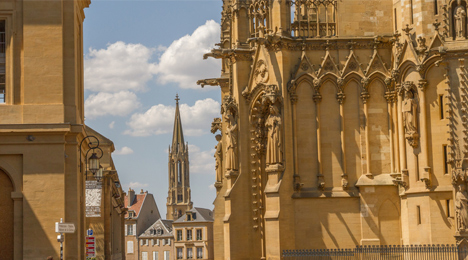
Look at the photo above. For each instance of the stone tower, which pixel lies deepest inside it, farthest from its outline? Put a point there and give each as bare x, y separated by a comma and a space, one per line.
342, 124
178, 198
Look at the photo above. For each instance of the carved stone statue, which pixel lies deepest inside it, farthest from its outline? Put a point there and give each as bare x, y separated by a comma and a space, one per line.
273, 124
231, 149
218, 157
461, 207
410, 107
460, 21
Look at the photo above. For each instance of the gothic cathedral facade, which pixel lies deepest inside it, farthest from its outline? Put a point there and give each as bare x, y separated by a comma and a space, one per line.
343, 123
179, 196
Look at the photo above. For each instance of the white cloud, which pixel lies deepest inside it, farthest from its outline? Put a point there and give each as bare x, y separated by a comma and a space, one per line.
183, 62
159, 119
135, 185
124, 151
120, 67
211, 187
112, 124
116, 104
201, 162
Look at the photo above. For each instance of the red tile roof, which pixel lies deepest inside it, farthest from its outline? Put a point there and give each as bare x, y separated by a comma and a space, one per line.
137, 203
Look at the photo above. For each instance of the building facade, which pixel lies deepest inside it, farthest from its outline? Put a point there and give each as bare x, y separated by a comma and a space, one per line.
142, 212
43, 138
193, 234
343, 123
179, 197
157, 242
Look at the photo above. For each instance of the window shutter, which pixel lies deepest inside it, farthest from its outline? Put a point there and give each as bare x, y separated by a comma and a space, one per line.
126, 231
134, 229
169, 241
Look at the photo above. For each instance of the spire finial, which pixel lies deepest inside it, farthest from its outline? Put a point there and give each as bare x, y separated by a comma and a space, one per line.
177, 98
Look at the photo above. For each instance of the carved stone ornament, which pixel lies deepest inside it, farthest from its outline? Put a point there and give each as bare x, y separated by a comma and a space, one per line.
410, 114
216, 125
459, 15
261, 72
274, 127
229, 111
461, 207
219, 159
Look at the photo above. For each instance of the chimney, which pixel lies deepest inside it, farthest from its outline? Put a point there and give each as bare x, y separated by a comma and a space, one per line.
142, 192
131, 197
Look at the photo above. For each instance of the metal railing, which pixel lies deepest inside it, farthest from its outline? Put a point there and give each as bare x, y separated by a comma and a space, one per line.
407, 252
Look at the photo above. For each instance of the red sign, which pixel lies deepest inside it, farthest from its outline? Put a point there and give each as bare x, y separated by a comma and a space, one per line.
90, 246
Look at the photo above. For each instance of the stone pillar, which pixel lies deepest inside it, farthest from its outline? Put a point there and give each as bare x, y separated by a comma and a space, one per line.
426, 176
17, 197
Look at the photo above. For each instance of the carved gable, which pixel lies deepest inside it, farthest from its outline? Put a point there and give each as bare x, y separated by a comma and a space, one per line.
328, 66
352, 65
376, 64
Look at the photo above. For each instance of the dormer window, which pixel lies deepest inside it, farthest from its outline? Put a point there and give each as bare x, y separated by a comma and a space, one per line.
130, 214
189, 216
194, 216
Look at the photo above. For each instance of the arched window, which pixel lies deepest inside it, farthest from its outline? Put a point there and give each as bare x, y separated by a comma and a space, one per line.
179, 172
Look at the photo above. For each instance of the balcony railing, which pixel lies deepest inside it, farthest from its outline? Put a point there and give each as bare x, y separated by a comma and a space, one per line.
309, 29
446, 252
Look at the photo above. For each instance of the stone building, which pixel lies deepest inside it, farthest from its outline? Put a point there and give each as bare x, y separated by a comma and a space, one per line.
193, 234
142, 212
179, 197
343, 123
157, 242
43, 137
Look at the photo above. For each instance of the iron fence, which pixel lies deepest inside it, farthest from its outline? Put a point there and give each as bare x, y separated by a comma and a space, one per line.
407, 252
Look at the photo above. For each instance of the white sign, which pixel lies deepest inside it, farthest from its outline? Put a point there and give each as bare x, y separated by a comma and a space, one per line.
93, 198
64, 227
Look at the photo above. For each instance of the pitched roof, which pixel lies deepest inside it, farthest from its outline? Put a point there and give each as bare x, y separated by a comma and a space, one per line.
136, 204
202, 215
164, 225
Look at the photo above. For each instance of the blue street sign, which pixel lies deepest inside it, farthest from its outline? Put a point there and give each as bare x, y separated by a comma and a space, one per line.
90, 232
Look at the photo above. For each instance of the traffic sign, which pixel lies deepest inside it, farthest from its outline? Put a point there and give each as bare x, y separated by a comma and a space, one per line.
90, 232
64, 227
90, 245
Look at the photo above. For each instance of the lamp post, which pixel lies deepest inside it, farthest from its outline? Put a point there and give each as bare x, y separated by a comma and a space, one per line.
93, 161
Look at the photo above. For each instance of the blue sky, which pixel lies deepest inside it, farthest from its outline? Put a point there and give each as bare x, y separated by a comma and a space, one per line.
138, 55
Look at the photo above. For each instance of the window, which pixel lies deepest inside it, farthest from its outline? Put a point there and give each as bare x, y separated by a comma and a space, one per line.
179, 172
436, 8
446, 165
141, 242
418, 214
144, 255
189, 216
189, 253
441, 106
157, 242
179, 235
130, 214
155, 255
179, 198
194, 215
2, 61
199, 234
189, 234
167, 255
411, 12
152, 242
129, 247
169, 241
180, 254
130, 230
448, 208
395, 19
199, 252
159, 231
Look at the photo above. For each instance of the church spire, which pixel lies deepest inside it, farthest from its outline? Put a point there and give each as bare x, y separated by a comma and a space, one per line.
178, 134
179, 197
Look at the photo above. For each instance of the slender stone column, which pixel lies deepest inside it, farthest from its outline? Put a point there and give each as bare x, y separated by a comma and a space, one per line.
426, 176
344, 177
401, 133
365, 98
320, 179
